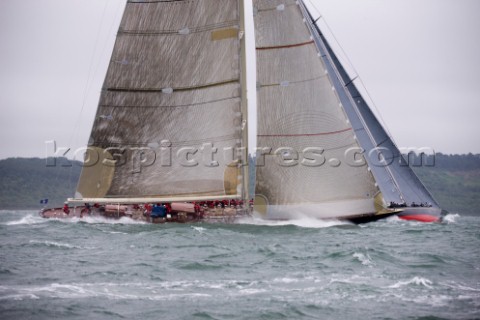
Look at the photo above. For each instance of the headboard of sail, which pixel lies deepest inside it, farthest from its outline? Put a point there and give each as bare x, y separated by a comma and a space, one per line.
170, 111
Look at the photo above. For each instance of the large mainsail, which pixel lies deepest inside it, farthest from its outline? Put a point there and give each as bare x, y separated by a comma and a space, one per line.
308, 164
172, 109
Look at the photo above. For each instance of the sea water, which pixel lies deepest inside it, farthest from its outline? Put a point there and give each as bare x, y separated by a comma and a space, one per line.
306, 269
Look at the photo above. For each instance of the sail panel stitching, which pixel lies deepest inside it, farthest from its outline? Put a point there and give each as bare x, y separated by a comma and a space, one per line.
292, 82
177, 32
178, 106
190, 143
276, 8
180, 89
326, 149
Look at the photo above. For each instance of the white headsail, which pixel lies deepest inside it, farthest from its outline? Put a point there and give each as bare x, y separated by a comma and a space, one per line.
312, 165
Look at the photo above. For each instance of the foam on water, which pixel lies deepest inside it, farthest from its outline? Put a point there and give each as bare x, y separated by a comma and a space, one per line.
365, 259
100, 220
304, 222
150, 291
418, 281
200, 230
58, 244
113, 232
451, 218
393, 219
28, 219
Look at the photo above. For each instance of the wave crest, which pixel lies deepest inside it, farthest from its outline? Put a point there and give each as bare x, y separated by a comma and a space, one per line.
419, 281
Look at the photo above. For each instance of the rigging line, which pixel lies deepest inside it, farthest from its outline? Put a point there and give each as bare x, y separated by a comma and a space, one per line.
353, 68
110, 32
89, 77
318, 11
371, 101
77, 122
351, 81
354, 105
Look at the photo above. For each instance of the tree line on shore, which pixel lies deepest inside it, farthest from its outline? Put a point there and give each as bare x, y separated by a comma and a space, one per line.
454, 180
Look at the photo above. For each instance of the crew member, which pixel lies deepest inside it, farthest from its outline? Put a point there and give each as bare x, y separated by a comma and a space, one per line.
88, 208
66, 209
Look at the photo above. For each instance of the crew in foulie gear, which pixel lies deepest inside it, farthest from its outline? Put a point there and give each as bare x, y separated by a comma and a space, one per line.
66, 209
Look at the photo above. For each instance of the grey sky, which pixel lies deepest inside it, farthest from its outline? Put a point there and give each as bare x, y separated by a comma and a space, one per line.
417, 58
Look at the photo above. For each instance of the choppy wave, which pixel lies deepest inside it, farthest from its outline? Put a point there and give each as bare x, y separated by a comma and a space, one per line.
255, 269
365, 259
451, 218
57, 244
28, 219
418, 281
100, 220
31, 219
302, 222
168, 290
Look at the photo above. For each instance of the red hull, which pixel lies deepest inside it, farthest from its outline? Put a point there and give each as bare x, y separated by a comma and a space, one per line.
421, 214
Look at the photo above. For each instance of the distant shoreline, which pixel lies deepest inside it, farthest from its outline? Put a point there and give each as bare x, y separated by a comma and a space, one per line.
453, 180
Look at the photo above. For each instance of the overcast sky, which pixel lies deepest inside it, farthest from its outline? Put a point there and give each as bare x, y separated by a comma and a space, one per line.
419, 60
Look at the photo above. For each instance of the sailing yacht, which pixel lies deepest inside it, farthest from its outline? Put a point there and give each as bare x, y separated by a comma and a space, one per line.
171, 125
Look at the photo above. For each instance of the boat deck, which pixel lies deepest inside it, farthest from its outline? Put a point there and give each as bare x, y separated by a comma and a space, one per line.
216, 214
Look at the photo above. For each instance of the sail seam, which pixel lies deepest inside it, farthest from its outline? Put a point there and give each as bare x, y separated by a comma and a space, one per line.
176, 32
292, 82
324, 149
178, 106
180, 89
173, 143
276, 8
305, 134
287, 46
